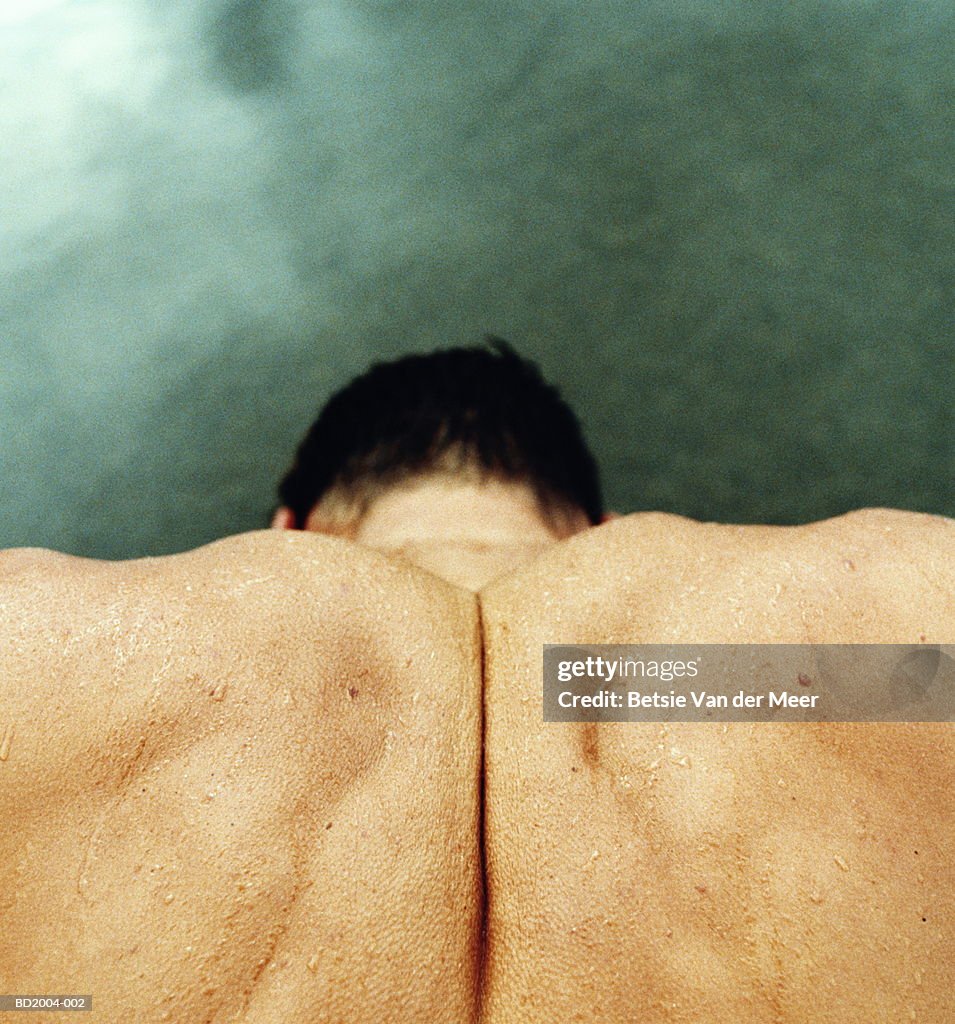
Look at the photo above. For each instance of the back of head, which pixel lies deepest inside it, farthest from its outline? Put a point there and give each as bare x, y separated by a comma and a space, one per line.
476, 413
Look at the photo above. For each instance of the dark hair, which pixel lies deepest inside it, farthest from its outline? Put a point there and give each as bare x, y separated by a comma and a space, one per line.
487, 408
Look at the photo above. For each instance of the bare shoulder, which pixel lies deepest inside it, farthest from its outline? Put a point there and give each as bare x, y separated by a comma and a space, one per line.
295, 572
192, 749
871, 575
739, 840
269, 604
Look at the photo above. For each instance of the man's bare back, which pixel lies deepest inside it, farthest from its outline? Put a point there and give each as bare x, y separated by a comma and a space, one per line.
244, 783
240, 784
706, 872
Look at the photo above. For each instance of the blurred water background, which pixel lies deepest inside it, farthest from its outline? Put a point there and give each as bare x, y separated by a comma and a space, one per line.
725, 228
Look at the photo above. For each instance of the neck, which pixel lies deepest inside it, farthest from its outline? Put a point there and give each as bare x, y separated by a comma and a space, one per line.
465, 532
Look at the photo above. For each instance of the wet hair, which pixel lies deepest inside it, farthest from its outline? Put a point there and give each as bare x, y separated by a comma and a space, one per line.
478, 412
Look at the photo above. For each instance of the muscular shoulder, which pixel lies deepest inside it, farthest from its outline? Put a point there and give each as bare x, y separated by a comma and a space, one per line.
872, 575
260, 752
263, 613
267, 577
306, 572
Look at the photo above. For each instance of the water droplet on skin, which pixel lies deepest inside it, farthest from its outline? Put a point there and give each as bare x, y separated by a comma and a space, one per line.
841, 863
167, 898
5, 740
312, 964
218, 691
815, 897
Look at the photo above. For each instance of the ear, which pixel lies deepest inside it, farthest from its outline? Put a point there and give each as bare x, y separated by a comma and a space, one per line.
284, 519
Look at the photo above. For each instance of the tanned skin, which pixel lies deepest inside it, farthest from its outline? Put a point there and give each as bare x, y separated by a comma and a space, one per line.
704, 873
293, 778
